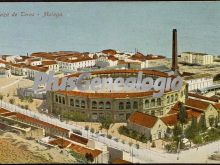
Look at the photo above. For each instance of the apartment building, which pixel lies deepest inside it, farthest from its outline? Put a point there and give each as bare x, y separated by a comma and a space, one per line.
198, 81
197, 58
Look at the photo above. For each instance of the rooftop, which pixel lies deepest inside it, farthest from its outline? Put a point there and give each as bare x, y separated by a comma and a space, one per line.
198, 104
197, 76
142, 119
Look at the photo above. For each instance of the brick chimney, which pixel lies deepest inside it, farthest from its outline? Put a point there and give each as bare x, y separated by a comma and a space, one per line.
174, 51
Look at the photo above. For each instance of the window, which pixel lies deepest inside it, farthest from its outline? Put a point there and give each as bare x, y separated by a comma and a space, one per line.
121, 105
94, 105
108, 105
168, 99
176, 97
71, 102
159, 101
153, 102
172, 99
63, 100
101, 105
146, 103
128, 105
83, 104
59, 99
56, 98
77, 103
135, 105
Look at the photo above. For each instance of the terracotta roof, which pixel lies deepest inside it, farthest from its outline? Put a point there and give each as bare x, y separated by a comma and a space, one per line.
172, 119
112, 58
8, 114
2, 110
105, 95
203, 97
74, 61
113, 95
147, 72
61, 143
83, 150
49, 62
192, 113
197, 104
109, 51
142, 119
40, 69
78, 139
120, 161
139, 56
39, 122
217, 106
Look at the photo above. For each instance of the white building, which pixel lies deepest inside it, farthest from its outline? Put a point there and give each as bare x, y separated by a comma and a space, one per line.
199, 81
197, 58
74, 65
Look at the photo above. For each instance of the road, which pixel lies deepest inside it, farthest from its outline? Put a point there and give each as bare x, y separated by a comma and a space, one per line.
141, 155
8, 85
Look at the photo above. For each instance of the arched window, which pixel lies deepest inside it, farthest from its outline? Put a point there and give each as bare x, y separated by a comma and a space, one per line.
121, 105
71, 102
176, 97
94, 105
172, 99
63, 100
153, 102
168, 99
146, 103
77, 103
135, 105
83, 104
101, 105
59, 99
128, 105
159, 101
108, 105
56, 98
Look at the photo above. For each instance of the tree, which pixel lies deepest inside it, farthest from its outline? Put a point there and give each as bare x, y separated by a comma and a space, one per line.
202, 123
177, 131
106, 122
192, 130
194, 125
12, 101
89, 157
182, 115
216, 121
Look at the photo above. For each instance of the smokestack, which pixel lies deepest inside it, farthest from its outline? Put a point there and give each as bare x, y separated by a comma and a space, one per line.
174, 51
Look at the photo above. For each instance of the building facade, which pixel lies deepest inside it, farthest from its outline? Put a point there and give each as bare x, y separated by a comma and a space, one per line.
199, 81
118, 105
197, 58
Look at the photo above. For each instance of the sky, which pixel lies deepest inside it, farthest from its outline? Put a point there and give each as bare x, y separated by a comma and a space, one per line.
124, 26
